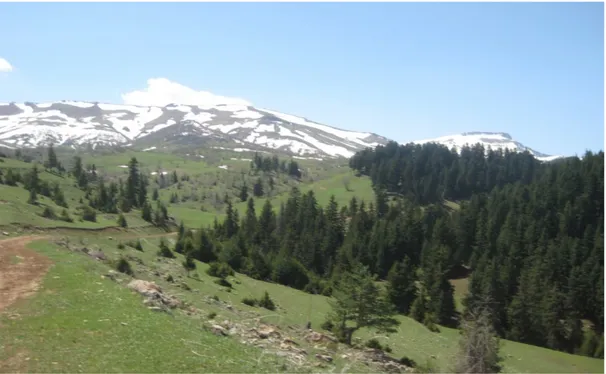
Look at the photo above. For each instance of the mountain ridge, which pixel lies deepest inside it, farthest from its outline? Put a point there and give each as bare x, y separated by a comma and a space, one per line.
229, 125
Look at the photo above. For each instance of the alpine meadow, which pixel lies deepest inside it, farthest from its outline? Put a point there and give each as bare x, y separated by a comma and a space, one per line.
165, 229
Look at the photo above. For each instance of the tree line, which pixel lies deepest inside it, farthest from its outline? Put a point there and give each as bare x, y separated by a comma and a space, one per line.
532, 242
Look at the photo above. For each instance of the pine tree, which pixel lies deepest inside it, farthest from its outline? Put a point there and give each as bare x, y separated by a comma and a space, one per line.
133, 183
244, 192
401, 288
258, 188
146, 212
360, 303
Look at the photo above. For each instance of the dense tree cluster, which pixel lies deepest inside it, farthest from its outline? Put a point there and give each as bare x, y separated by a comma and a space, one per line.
273, 163
533, 243
429, 173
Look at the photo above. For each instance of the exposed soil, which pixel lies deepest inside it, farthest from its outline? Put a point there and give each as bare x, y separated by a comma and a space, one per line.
21, 269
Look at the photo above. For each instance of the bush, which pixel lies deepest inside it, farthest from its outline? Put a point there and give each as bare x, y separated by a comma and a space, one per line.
327, 325
220, 270
266, 302
374, 344
65, 216
122, 221
223, 282
212, 315
88, 213
49, 213
121, 246
164, 250
408, 362
123, 266
249, 301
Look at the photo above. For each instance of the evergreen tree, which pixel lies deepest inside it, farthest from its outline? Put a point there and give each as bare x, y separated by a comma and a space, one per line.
401, 287
360, 303
258, 188
244, 192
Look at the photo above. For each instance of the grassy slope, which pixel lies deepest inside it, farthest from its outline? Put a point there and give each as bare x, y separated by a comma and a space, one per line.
71, 295
16, 210
413, 340
81, 323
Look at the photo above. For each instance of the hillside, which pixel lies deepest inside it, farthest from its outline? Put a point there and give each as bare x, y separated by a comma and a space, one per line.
313, 207
73, 123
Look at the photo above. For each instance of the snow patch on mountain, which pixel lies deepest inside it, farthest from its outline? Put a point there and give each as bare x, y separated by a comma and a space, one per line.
492, 140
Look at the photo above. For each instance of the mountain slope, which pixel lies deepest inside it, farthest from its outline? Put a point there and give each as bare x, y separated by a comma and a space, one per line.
494, 140
79, 123
228, 125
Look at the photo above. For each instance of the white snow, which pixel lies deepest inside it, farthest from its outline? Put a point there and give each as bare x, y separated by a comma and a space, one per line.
356, 137
249, 114
149, 149
79, 104
494, 141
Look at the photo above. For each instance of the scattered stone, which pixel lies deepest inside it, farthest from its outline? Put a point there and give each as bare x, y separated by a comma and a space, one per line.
153, 293
112, 274
97, 255
322, 357
124, 323
5, 233
218, 330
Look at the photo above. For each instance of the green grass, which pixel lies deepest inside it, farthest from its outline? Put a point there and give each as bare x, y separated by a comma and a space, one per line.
16, 210
79, 322
71, 294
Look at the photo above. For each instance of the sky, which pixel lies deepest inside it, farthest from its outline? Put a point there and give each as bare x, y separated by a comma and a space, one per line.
406, 71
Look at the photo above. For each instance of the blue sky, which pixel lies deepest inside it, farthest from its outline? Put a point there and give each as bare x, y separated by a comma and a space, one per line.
406, 71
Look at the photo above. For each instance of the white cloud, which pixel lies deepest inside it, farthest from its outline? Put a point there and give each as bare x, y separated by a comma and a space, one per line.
161, 92
5, 67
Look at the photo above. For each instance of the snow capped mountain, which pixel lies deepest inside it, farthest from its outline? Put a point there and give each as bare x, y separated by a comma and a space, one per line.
230, 123
221, 122
494, 140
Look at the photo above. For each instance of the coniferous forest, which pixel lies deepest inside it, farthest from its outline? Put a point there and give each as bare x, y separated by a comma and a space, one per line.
529, 235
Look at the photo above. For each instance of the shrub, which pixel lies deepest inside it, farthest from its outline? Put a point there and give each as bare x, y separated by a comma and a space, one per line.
123, 266
49, 213
408, 362
374, 344
212, 315
266, 302
249, 301
164, 250
223, 282
327, 325
65, 216
121, 246
220, 270
88, 213
138, 246
122, 221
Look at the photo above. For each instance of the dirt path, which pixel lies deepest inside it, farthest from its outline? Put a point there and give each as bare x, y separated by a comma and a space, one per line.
21, 269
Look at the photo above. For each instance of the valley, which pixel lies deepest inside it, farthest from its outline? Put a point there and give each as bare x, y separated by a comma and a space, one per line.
83, 305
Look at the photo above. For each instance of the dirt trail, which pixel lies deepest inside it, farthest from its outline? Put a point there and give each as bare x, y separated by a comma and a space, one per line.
21, 269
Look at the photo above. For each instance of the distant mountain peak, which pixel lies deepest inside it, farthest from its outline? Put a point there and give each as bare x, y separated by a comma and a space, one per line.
233, 123
492, 140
